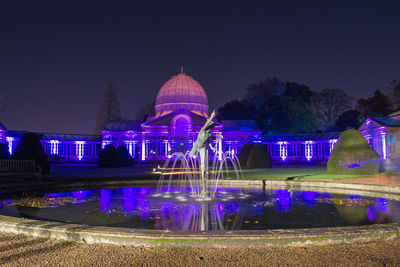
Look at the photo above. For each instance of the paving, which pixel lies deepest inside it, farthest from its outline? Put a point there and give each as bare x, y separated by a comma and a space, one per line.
21, 250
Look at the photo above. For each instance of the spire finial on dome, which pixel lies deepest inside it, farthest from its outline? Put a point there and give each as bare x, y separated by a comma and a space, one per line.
181, 69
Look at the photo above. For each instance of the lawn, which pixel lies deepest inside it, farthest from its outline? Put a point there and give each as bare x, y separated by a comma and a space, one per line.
295, 173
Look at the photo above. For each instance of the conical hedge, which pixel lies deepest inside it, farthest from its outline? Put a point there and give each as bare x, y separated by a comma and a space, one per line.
125, 158
244, 154
353, 155
109, 157
30, 147
259, 157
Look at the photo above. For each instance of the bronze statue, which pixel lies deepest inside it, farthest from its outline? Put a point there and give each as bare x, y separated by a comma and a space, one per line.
200, 146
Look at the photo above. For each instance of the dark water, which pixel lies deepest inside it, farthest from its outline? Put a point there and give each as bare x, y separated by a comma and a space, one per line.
136, 207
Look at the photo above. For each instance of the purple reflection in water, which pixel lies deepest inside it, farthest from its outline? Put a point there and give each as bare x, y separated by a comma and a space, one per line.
258, 209
144, 190
105, 200
309, 197
378, 211
129, 199
233, 207
284, 201
80, 196
326, 195
144, 207
55, 195
355, 197
221, 207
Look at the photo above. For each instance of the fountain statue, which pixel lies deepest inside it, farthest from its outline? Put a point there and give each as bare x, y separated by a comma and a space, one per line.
193, 175
204, 137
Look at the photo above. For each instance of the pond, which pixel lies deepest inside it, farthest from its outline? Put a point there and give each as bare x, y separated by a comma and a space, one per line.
140, 207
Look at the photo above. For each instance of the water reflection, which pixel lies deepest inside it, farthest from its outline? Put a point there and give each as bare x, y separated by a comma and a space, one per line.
105, 200
136, 207
283, 199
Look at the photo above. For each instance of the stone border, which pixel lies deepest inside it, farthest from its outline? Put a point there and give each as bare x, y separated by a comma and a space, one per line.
245, 238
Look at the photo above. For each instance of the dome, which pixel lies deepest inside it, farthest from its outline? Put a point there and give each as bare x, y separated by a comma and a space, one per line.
181, 92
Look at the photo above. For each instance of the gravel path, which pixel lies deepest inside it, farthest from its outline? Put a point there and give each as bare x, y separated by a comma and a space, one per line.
20, 250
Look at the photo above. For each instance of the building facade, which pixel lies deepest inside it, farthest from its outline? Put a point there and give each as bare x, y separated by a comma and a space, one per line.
181, 109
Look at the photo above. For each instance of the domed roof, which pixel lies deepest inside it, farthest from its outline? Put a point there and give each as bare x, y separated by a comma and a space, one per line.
181, 92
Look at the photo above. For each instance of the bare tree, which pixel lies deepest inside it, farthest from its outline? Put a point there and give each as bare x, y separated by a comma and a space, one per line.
328, 105
109, 110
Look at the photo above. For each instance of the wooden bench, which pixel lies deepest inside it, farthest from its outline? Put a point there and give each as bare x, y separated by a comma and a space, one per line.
20, 168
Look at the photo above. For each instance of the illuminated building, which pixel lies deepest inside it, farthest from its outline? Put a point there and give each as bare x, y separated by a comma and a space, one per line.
181, 109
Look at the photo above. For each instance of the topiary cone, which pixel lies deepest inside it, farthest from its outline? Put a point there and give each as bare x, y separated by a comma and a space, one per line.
259, 157
244, 154
353, 155
30, 147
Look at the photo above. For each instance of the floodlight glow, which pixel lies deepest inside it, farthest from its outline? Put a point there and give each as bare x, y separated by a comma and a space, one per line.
130, 147
384, 146
105, 143
79, 149
332, 144
283, 150
143, 150
54, 147
10, 144
309, 150
219, 136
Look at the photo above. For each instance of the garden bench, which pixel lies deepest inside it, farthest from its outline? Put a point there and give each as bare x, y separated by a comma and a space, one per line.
20, 168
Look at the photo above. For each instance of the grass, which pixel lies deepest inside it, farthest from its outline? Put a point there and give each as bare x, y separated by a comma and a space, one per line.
295, 173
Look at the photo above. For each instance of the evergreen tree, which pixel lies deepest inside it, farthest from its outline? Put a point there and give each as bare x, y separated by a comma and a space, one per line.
109, 110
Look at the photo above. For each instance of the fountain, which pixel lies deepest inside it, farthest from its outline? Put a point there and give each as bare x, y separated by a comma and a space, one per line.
192, 170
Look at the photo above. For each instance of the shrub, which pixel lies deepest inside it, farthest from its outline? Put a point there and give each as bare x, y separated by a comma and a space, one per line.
29, 147
244, 154
109, 157
353, 155
54, 159
4, 154
259, 157
125, 158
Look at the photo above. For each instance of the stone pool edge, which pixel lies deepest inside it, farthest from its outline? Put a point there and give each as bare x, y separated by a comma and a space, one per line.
253, 238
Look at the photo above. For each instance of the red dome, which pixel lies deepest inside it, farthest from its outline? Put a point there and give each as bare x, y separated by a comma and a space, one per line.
181, 92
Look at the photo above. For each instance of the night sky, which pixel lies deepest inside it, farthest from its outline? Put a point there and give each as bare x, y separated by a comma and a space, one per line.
57, 57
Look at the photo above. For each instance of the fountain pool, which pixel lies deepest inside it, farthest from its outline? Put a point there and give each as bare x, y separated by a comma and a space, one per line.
230, 209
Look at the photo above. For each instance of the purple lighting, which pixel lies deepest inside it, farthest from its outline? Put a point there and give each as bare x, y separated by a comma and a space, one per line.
79, 149
54, 147
10, 144
309, 150
332, 144
284, 200
283, 150
105, 200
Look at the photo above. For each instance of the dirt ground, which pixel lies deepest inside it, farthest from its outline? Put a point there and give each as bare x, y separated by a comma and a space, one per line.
20, 250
